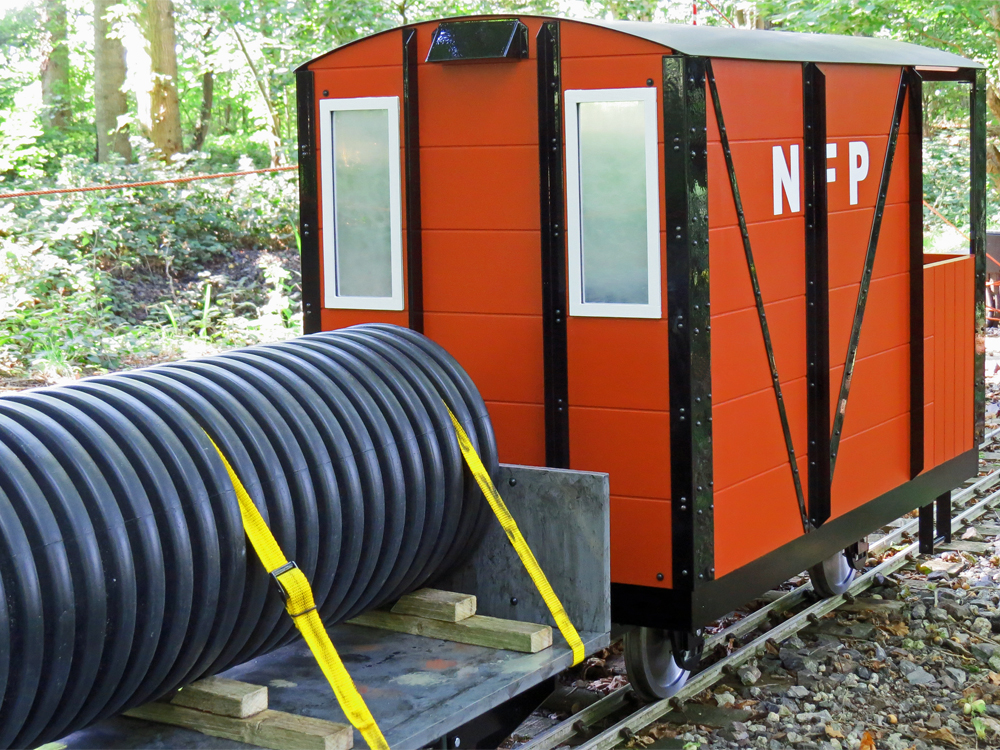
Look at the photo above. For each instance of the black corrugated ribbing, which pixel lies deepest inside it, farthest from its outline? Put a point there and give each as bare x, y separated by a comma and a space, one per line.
123, 563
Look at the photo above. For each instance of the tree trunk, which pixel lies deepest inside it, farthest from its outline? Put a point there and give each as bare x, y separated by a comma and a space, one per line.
205, 118
165, 114
55, 65
110, 101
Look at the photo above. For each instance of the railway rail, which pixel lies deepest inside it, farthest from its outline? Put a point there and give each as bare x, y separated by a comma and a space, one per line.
638, 717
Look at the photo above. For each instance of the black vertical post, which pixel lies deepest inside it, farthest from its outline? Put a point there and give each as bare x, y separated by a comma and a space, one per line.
926, 529
686, 198
817, 292
308, 202
943, 503
977, 163
553, 243
916, 138
411, 152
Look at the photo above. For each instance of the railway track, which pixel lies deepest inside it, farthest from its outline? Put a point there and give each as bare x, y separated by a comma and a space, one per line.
635, 717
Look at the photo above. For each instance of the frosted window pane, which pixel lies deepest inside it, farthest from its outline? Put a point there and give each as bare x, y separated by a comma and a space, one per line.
361, 185
613, 202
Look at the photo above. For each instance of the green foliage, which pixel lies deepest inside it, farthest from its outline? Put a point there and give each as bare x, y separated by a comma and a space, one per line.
95, 280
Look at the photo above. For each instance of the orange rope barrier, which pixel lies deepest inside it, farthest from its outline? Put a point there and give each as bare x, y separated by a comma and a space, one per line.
712, 5
149, 183
945, 220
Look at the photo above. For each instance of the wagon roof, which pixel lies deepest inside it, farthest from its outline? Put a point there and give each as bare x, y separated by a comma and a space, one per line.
789, 46
754, 44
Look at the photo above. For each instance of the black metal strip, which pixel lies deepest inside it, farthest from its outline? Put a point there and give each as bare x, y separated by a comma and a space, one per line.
411, 164
962, 74
312, 303
916, 273
553, 242
817, 291
925, 533
685, 160
943, 503
977, 166
866, 276
759, 301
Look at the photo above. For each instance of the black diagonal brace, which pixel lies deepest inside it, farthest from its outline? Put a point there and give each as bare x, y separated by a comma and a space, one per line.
866, 276
765, 331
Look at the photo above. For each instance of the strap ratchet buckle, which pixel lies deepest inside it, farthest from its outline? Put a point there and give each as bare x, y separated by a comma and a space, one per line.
276, 576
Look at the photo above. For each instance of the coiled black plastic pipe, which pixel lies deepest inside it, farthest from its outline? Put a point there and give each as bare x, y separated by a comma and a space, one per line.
124, 566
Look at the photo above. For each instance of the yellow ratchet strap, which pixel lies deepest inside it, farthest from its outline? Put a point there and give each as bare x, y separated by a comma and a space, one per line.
520, 545
299, 602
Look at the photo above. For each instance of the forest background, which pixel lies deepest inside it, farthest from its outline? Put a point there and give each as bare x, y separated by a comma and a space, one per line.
98, 91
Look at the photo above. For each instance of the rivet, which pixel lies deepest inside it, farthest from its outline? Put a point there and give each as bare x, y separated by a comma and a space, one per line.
512, 482
513, 600
326, 93
649, 82
659, 576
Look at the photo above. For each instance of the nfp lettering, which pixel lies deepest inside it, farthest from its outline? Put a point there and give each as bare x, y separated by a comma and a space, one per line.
786, 180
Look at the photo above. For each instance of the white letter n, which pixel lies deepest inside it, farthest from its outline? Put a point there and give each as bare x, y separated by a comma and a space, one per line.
786, 178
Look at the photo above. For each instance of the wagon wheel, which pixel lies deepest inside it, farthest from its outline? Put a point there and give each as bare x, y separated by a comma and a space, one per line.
833, 576
649, 660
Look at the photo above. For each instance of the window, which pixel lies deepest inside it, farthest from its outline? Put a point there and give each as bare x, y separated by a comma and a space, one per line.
613, 203
362, 226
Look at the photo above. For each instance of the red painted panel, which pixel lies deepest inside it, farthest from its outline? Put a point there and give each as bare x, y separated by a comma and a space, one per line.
618, 363
482, 272
476, 340
632, 446
779, 255
870, 464
627, 72
744, 530
580, 39
479, 105
950, 323
381, 49
849, 233
860, 100
747, 436
357, 82
640, 541
331, 320
753, 163
885, 324
880, 389
760, 101
739, 358
480, 187
520, 431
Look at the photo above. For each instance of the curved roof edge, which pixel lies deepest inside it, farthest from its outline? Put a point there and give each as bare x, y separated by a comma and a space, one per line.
787, 46
750, 44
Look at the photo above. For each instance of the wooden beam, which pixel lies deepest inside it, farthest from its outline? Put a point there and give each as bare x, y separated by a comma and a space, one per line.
223, 697
477, 630
435, 604
270, 729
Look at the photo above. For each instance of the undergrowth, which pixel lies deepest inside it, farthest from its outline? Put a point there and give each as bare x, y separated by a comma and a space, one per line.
97, 281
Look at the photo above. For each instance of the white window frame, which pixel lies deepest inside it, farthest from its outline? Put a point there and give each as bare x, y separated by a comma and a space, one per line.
330, 297
577, 306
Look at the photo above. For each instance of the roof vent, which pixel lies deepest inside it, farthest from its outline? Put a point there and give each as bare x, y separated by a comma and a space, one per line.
491, 39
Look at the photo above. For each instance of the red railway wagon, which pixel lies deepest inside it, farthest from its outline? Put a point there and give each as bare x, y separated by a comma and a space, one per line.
690, 257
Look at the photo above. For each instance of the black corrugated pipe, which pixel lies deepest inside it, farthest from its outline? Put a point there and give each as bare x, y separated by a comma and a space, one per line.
123, 562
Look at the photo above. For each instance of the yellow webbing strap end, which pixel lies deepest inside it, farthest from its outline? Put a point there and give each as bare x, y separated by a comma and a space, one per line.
520, 545
300, 605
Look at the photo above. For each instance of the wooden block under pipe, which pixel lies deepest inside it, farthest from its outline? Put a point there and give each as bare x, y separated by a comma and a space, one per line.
435, 604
